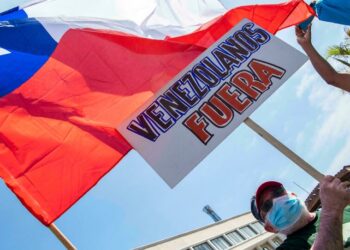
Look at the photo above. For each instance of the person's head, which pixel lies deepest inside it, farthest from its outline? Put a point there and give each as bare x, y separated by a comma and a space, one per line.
279, 210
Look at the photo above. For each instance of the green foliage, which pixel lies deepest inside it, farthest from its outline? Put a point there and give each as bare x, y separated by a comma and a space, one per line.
341, 52
343, 62
338, 50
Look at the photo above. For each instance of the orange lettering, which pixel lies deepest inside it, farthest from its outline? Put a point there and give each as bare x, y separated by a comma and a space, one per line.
232, 98
265, 71
217, 112
197, 125
244, 80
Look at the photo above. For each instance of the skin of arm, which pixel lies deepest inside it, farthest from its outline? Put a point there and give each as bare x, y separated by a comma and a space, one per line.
325, 70
334, 197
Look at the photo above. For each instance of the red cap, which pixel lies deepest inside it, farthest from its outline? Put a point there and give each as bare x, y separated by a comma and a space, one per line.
263, 187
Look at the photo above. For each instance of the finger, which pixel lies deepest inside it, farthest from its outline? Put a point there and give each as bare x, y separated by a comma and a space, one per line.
345, 185
328, 178
336, 181
308, 30
298, 31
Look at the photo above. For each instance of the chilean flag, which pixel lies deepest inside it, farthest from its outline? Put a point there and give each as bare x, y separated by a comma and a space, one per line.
66, 84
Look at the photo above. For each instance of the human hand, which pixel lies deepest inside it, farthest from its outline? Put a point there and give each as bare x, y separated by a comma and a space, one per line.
303, 36
334, 195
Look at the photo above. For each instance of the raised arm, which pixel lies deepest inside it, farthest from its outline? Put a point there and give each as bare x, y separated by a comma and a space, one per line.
334, 197
325, 70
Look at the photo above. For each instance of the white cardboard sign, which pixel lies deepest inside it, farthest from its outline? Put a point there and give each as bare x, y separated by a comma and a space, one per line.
210, 98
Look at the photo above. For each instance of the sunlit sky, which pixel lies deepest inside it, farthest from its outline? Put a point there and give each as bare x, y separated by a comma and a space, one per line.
132, 206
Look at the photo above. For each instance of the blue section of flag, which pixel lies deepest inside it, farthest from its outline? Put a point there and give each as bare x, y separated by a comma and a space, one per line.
30, 46
335, 11
14, 13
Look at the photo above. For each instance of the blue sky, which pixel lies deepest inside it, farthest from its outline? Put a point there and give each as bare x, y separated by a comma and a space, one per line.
132, 206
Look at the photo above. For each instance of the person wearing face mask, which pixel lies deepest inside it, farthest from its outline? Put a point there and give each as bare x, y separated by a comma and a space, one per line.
283, 212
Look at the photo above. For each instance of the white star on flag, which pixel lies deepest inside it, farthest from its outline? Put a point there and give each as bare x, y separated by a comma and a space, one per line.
4, 52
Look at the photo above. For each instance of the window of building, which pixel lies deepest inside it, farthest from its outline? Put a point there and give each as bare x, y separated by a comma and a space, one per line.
235, 237
258, 227
248, 232
221, 243
266, 246
277, 241
203, 246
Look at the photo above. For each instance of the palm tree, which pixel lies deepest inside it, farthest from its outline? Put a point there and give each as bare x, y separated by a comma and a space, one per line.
341, 52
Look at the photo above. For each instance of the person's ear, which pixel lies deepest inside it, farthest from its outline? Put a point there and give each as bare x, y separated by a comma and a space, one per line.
269, 228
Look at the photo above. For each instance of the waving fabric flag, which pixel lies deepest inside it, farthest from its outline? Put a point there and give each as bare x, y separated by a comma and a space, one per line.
67, 84
335, 11
147, 18
17, 11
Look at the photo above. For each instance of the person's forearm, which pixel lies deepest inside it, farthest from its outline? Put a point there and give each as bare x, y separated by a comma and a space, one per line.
325, 70
330, 235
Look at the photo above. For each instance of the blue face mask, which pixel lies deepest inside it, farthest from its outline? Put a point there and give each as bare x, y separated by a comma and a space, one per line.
285, 212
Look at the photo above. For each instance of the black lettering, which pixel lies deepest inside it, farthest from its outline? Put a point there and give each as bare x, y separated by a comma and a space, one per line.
206, 76
172, 104
235, 49
157, 117
201, 92
183, 94
259, 35
246, 41
225, 60
143, 128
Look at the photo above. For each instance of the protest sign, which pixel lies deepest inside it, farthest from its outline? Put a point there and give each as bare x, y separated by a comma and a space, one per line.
207, 100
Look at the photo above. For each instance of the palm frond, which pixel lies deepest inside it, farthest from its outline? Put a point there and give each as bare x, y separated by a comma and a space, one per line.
337, 50
347, 32
343, 62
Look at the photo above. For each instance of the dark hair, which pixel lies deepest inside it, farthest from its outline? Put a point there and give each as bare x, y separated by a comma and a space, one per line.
254, 209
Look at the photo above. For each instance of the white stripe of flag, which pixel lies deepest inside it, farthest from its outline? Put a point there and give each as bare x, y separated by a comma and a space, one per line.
4, 52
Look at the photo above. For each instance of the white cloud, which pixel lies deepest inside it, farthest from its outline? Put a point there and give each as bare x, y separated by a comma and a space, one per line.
306, 83
286, 172
300, 138
331, 103
335, 118
331, 126
341, 159
251, 144
286, 127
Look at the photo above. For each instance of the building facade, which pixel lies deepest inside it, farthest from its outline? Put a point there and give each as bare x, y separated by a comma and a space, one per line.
236, 233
